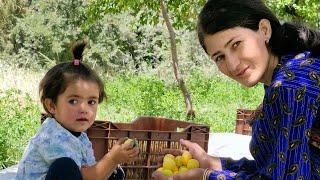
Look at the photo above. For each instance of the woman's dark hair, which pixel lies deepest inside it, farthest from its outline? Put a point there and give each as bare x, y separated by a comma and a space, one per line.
218, 15
61, 75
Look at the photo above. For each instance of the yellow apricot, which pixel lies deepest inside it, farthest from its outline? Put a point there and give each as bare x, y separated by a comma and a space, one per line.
175, 168
192, 163
186, 156
168, 156
133, 142
167, 172
178, 161
183, 169
128, 141
160, 169
169, 164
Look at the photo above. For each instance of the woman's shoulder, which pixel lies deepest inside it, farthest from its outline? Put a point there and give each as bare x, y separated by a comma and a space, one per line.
296, 71
299, 62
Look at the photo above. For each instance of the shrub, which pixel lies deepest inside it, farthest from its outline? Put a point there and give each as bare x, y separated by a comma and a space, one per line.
20, 117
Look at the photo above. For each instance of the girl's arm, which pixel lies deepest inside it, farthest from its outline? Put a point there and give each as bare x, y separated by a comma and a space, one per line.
103, 169
120, 153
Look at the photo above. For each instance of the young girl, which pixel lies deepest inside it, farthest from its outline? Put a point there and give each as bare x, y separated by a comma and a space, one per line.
70, 93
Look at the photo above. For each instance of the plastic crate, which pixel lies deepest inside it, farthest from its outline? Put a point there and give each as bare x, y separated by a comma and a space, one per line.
244, 116
243, 126
152, 133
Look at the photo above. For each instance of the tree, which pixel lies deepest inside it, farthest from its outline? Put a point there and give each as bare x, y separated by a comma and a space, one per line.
148, 12
185, 15
10, 9
307, 11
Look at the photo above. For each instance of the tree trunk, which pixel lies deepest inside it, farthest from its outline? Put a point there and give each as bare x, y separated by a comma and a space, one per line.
182, 85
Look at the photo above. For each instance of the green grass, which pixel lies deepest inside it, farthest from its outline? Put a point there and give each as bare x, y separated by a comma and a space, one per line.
215, 100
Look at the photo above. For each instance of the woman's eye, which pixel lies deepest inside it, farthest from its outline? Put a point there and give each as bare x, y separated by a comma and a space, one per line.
236, 44
219, 58
73, 101
92, 102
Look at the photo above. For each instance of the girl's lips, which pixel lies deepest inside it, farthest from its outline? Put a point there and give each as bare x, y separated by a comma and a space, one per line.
82, 119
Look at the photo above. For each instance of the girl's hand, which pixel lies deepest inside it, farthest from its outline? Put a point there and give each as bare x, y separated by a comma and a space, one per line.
123, 153
189, 175
201, 155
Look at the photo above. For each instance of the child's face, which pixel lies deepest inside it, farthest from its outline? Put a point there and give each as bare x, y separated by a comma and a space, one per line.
76, 107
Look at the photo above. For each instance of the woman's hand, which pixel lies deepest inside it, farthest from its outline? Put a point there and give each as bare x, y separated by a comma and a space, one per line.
123, 153
189, 175
201, 155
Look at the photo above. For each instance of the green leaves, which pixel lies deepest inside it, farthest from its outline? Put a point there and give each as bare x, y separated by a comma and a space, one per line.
302, 11
182, 13
20, 118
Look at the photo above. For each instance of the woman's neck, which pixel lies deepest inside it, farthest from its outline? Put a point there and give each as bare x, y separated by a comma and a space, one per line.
272, 64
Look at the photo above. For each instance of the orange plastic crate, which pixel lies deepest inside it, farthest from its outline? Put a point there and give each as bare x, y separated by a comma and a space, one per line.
243, 121
152, 133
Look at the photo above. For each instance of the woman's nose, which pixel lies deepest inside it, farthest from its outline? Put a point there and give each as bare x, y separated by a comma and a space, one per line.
233, 65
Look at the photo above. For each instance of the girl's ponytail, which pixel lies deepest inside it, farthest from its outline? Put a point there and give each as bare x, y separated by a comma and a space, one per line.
78, 48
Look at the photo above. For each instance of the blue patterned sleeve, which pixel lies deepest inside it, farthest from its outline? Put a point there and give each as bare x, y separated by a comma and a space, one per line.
283, 133
234, 168
242, 164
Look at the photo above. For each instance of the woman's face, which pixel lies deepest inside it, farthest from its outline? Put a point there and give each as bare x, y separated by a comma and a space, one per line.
240, 53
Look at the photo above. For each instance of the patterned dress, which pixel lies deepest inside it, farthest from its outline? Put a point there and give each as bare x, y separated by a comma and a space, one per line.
50, 143
282, 145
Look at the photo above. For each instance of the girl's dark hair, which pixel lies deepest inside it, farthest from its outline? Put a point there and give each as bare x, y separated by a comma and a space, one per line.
218, 15
61, 75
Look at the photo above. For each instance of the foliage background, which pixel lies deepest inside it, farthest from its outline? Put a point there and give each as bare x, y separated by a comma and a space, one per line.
129, 48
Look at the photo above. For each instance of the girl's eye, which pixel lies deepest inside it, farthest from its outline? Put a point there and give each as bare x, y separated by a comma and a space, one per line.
73, 101
236, 44
92, 102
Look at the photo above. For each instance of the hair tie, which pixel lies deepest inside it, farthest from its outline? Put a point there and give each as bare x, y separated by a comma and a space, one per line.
76, 62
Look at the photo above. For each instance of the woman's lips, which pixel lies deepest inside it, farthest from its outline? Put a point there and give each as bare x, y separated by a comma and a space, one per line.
241, 73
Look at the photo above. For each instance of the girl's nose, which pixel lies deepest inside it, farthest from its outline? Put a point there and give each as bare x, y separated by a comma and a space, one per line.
83, 108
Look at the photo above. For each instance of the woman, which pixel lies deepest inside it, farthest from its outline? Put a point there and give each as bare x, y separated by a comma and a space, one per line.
248, 44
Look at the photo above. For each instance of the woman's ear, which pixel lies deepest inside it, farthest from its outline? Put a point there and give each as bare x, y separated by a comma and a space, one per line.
50, 106
265, 29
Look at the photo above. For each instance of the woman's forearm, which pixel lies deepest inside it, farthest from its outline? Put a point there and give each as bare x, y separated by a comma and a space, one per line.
214, 163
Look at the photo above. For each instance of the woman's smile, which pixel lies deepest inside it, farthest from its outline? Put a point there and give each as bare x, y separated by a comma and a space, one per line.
242, 73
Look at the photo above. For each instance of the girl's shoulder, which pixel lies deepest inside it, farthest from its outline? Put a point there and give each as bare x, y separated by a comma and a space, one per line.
51, 130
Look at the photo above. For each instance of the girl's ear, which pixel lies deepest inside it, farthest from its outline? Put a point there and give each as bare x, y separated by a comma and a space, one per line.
50, 106
265, 29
